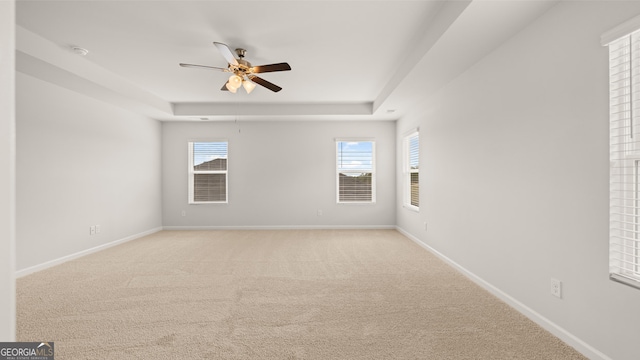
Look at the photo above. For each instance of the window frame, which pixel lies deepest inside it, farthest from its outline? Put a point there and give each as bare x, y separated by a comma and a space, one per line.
191, 172
624, 172
354, 171
408, 171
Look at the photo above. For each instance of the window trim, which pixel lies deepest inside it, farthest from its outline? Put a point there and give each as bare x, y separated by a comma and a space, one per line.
373, 170
620, 31
191, 173
407, 170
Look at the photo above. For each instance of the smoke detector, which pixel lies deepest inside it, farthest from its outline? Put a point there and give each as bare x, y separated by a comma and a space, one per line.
80, 51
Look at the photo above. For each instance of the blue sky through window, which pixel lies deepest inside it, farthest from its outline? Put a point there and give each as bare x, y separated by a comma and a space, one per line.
207, 151
355, 155
414, 152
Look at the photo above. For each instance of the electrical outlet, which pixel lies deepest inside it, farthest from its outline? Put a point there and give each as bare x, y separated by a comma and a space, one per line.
319, 212
556, 288
425, 225
97, 229
92, 230
184, 213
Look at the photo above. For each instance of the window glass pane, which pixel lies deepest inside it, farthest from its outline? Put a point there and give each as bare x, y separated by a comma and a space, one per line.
210, 187
414, 151
355, 171
354, 187
355, 155
209, 156
415, 189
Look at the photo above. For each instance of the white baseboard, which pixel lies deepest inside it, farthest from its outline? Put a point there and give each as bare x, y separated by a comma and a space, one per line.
285, 227
561, 333
48, 264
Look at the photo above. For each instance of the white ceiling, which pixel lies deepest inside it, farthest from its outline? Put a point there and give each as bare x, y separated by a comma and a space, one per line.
350, 59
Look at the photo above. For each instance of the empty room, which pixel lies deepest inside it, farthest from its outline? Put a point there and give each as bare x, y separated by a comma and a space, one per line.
446, 179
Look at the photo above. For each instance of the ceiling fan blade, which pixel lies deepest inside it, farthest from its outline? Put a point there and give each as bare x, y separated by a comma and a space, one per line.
265, 83
271, 68
202, 67
226, 53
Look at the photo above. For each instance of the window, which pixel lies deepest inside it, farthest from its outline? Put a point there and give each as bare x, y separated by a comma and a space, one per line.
624, 175
355, 171
411, 154
208, 172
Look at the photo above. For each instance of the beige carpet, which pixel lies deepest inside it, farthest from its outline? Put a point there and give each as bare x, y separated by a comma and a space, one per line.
308, 294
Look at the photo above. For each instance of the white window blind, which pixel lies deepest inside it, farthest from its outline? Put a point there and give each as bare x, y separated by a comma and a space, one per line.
624, 179
355, 171
411, 171
208, 172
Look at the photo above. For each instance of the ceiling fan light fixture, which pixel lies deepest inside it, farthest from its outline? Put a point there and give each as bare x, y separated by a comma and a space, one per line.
231, 88
248, 86
235, 81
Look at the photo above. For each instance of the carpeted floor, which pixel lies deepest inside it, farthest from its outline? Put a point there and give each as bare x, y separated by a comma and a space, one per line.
307, 294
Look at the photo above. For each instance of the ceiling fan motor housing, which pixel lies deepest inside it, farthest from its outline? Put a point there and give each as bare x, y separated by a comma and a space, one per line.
243, 67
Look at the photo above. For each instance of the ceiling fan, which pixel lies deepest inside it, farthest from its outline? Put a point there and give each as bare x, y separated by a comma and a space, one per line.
242, 73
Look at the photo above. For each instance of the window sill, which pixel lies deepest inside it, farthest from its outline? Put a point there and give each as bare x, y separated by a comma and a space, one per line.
355, 203
411, 208
209, 203
625, 280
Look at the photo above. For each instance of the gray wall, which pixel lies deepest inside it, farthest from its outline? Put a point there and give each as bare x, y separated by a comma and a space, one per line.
7, 171
81, 162
280, 175
514, 174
